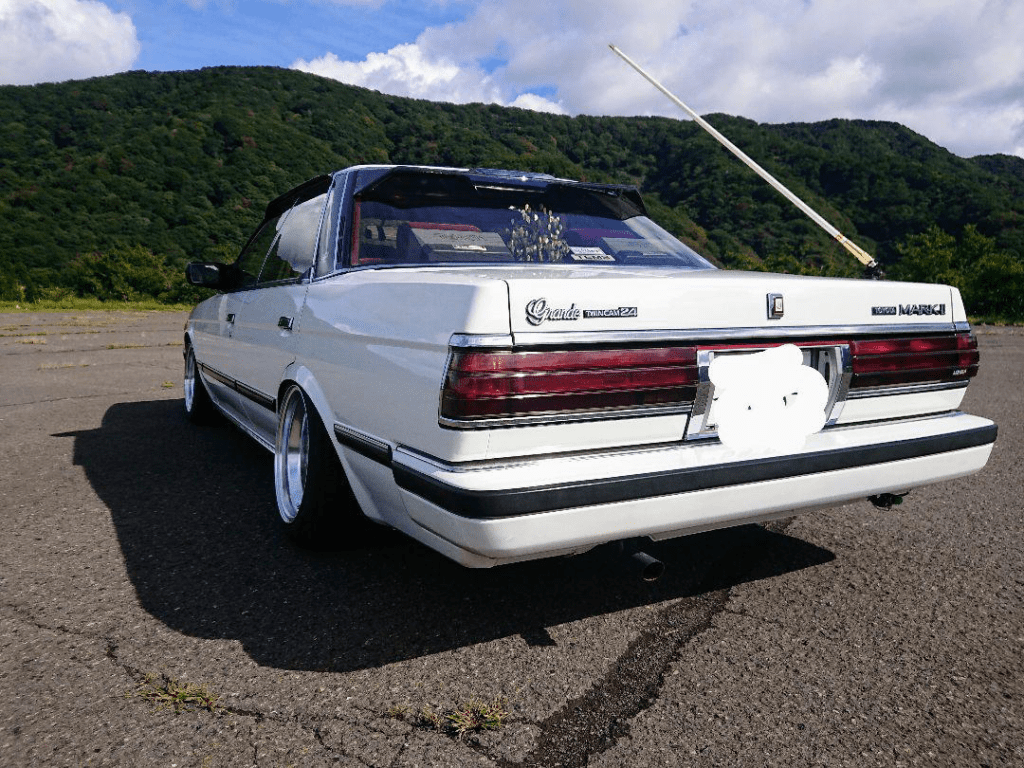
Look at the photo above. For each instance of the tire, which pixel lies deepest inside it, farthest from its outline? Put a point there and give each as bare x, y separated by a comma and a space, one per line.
199, 408
314, 499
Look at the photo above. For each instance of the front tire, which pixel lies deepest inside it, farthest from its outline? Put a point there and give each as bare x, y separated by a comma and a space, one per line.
199, 408
313, 496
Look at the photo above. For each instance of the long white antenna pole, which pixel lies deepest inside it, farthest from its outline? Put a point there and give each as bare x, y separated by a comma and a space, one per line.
862, 256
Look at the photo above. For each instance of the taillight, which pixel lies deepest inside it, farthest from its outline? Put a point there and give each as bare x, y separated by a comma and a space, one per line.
889, 362
501, 383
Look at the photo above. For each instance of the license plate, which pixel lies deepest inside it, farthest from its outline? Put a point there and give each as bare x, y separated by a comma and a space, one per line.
831, 361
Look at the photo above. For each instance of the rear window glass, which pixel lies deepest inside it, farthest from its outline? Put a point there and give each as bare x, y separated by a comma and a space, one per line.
424, 219
384, 234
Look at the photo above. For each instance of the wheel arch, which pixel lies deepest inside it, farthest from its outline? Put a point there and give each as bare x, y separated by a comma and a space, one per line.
300, 376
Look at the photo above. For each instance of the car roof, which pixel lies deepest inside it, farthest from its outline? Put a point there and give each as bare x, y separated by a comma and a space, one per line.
370, 175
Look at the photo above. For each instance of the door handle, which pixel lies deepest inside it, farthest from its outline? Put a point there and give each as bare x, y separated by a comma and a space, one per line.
231, 317
285, 322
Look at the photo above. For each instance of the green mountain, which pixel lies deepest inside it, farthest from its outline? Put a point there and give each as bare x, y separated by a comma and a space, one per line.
145, 171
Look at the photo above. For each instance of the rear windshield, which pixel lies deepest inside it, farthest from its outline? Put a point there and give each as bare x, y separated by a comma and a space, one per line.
474, 224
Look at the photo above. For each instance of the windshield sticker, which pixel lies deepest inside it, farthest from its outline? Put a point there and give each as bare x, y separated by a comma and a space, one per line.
589, 253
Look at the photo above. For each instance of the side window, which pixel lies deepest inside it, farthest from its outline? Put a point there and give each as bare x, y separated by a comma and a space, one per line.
328, 231
250, 261
293, 254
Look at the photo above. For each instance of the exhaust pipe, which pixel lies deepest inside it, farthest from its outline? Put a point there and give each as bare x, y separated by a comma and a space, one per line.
887, 500
645, 566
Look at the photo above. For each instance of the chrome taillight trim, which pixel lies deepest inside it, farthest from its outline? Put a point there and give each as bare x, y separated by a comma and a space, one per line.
468, 341
531, 339
564, 418
906, 389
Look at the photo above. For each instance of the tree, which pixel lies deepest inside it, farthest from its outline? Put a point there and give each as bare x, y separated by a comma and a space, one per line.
991, 281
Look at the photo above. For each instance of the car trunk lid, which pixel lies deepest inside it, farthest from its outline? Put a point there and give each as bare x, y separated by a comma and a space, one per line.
674, 302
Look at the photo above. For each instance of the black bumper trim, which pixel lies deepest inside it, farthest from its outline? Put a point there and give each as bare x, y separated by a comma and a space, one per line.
363, 445
525, 501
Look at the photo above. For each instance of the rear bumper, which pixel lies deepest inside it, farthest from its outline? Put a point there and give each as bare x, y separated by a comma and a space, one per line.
492, 512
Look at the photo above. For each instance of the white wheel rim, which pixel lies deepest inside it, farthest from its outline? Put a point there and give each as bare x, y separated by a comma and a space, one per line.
190, 380
292, 455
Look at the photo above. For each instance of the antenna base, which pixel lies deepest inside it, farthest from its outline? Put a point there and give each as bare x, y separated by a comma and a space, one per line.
873, 271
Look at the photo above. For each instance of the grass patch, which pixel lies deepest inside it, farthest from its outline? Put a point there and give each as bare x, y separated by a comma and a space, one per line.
168, 385
126, 346
167, 693
473, 716
76, 304
31, 340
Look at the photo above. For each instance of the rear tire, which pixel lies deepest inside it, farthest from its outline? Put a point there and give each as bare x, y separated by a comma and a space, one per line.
199, 408
314, 499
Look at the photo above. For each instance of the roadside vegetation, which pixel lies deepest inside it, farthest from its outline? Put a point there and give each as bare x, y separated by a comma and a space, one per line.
72, 303
109, 186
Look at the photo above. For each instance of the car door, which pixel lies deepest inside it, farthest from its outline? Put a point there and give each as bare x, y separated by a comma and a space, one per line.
264, 331
215, 346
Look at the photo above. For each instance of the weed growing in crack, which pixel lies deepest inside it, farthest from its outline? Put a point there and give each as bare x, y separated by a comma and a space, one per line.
476, 716
471, 717
428, 718
396, 711
166, 692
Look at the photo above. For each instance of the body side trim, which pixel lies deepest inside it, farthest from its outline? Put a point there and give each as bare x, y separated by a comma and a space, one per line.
363, 444
255, 395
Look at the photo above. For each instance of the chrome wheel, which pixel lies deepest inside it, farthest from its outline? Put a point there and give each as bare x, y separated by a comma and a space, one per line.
291, 455
190, 381
199, 408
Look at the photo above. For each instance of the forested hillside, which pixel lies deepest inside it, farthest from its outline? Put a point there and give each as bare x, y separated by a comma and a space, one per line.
108, 186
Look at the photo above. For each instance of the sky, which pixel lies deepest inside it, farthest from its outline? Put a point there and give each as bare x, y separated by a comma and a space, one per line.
952, 70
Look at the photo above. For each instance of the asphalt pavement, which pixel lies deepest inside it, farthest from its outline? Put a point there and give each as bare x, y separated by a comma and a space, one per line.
151, 612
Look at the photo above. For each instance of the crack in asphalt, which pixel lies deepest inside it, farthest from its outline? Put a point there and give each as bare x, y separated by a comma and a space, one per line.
76, 397
257, 717
138, 676
24, 615
594, 722
585, 726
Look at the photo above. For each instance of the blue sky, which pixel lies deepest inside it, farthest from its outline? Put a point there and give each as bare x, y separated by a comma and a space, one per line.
180, 35
952, 70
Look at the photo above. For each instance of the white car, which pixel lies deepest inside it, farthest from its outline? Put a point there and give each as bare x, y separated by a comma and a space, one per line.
508, 366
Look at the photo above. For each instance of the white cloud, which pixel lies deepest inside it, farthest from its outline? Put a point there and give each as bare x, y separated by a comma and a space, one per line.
407, 70
537, 103
952, 70
54, 40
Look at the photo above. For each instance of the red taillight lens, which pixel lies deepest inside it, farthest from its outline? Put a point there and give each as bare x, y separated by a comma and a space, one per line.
494, 384
889, 362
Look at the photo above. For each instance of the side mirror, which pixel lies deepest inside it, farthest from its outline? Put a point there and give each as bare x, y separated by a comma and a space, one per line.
206, 274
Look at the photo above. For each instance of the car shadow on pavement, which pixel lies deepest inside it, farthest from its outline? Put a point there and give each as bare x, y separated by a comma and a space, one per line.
196, 521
